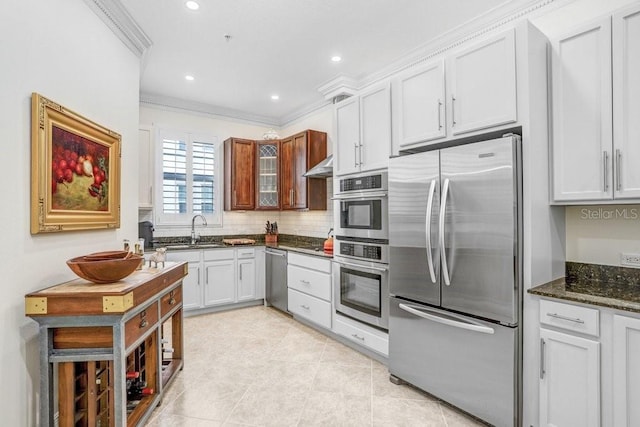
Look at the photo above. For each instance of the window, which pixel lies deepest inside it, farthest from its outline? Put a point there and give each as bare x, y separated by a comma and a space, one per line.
189, 183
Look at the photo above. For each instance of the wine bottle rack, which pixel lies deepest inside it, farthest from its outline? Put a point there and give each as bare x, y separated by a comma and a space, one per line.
85, 393
143, 359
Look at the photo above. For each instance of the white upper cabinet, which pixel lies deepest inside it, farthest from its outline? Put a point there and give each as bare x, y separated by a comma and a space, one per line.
626, 103
348, 136
363, 129
581, 82
596, 105
483, 84
420, 112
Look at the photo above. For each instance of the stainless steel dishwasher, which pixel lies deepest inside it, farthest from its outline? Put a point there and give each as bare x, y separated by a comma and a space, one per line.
276, 280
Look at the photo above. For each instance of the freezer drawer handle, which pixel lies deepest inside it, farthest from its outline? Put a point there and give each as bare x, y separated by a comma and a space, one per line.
432, 190
462, 324
570, 319
443, 211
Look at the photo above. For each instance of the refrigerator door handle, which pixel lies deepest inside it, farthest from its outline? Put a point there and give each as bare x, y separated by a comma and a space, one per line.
443, 211
434, 316
432, 190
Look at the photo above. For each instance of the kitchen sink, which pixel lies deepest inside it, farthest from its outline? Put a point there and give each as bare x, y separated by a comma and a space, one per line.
196, 246
178, 246
208, 245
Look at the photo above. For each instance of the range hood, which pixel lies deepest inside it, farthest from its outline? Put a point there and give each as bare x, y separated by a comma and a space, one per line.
324, 169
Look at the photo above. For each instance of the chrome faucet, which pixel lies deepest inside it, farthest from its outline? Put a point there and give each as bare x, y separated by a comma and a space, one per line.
193, 223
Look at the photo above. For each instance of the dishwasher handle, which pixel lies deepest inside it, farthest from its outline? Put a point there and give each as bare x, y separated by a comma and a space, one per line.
284, 255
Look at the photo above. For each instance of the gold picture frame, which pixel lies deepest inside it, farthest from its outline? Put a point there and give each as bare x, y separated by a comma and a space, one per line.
75, 170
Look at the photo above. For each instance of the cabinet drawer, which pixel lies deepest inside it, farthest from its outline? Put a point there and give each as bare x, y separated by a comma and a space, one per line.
246, 253
140, 324
571, 317
217, 254
311, 308
313, 262
170, 300
310, 282
375, 340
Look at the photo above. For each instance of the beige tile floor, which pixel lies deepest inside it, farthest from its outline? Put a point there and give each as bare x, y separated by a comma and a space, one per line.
259, 367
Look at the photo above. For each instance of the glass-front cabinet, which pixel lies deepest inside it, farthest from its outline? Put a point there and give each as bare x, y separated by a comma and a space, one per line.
268, 174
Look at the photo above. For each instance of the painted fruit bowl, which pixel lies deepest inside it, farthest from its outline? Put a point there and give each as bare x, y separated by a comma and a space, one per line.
103, 270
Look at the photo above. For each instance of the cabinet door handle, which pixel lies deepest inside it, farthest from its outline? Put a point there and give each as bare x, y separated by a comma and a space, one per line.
235, 198
358, 337
355, 154
439, 114
605, 163
151, 194
453, 110
361, 156
542, 370
240, 268
207, 276
618, 166
570, 319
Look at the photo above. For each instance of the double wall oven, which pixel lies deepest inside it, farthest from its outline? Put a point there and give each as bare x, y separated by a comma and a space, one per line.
361, 252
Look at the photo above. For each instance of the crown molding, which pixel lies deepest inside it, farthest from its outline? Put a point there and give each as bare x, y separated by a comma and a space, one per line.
171, 103
494, 19
118, 19
300, 113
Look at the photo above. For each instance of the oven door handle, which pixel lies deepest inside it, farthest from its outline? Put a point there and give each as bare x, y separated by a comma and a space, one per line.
362, 267
359, 196
461, 323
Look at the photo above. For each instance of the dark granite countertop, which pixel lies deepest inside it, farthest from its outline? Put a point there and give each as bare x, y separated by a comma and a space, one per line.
601, 285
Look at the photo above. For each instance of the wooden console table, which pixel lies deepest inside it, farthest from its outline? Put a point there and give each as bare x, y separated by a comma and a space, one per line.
95, 340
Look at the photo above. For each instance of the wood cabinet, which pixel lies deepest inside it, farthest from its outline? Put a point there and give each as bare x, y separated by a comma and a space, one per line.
483, 84
239, 179
363, 125
268, 175
275, 180
299, 153
92, 336
145, 168
596, 98
626, 371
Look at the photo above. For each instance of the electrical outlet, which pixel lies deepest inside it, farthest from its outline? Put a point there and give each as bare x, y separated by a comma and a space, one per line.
632, 260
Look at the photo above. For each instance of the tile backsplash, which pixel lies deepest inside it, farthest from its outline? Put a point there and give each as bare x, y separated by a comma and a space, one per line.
302, 223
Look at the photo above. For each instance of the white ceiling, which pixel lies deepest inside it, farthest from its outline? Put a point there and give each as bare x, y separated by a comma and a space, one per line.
281, 47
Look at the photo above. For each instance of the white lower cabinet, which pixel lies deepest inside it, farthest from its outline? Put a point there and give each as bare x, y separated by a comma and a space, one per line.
626, 371
311, 308
219, 282
309, 283
218, 277
360, 334
569, 380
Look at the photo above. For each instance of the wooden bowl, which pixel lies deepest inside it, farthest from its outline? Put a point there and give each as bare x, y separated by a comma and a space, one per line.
100, 256
104, 271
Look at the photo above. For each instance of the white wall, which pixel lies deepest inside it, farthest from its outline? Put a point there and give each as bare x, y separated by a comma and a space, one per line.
63, 51
311, 223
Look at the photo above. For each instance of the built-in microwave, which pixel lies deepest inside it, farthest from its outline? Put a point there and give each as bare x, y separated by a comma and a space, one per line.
361, 207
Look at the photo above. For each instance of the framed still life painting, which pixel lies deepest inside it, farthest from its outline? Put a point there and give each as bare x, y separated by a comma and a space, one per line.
75, 171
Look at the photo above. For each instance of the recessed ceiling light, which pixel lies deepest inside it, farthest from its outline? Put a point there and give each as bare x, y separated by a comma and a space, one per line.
275, 97
193, 5
189, 77
336, 58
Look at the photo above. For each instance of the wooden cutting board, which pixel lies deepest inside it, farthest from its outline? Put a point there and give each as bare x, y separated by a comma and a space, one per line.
234, 242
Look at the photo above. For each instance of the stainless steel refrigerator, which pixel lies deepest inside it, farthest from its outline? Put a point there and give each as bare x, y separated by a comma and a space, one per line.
455, 275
